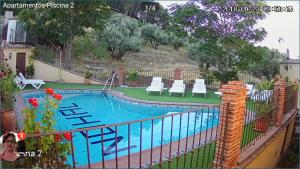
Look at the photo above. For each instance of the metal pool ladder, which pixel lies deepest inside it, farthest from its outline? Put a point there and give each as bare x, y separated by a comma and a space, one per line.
111, 82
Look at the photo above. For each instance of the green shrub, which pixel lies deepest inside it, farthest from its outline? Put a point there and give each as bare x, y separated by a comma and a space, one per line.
121, 35
154, 35
132, 76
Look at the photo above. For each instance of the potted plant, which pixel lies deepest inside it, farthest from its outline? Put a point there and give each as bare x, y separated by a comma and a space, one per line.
8, 88
263, 112
132, 79
225, 76
30, 71
87, 77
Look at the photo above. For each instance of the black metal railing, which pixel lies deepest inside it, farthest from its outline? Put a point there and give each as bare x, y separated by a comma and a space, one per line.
259, 116
176, 140
291, 98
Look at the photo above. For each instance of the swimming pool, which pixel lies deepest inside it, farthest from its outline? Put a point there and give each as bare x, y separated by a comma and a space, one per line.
82, 109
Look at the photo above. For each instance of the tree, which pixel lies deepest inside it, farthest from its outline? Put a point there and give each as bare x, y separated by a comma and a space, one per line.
154, 35
158, 17
210, 20
271, 58
175, 41
57, 27
122, 34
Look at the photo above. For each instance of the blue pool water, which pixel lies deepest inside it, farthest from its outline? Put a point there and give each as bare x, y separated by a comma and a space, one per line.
81, 110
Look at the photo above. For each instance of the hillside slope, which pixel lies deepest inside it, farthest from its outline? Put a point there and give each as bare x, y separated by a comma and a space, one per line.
165, 58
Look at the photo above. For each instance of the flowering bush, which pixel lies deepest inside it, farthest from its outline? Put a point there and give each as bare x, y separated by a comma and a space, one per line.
54, 148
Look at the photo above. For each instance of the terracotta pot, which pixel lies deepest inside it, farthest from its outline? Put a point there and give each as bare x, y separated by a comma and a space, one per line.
8, 121
132, 83
261, 124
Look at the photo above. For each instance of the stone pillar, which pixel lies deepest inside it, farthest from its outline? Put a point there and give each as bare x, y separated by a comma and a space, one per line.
230, 130
178, 74
279, 99
121, 74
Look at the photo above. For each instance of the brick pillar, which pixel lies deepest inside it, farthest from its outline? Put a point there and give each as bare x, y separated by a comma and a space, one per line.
177, 74
279, 99
230, 131
121, 74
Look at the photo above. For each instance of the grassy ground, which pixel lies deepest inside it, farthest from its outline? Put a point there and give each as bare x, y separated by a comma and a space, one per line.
206, 153
140, 93
198, 158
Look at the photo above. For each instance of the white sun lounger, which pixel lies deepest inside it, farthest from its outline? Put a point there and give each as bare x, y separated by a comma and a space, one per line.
177, 87
249, 87
199, 87
22, 82
156, 85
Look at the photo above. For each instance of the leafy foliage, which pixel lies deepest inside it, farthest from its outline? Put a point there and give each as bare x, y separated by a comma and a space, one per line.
54, 152
122, 34
154, 35
227, 37
227, 75
58, 26
175, 41
272, 58
88, 46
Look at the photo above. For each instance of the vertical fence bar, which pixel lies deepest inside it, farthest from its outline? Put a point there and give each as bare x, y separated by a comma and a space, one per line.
151, 152
161, 141
193, 143
186, 143
211, 136
102, 148
116, 140
88, 148
141, 136
199, 145
128, 145
178, 149
72, 149
170, 148
206, 130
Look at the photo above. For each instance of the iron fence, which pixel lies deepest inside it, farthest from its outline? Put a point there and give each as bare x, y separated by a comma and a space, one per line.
291, 98
175, 140
259, 116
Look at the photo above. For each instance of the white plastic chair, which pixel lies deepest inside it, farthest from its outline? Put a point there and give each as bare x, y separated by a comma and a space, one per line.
177, 87
22, 82
199, 87
156, 85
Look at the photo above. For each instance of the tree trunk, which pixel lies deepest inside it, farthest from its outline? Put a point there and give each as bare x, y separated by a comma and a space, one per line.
68, 54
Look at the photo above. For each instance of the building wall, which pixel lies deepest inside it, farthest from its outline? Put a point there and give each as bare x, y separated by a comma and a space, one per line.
50, 73
292, 73
271, 155
12, 62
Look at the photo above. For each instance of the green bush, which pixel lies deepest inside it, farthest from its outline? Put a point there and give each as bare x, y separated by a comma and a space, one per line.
132, 76
226, 76
121, 35
30, 71
154, 35
88, 75
175, 41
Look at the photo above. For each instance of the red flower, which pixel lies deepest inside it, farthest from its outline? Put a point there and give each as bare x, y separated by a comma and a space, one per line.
57, 97
68, 136
21, 135
49, 91
57, 138
33, 102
